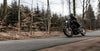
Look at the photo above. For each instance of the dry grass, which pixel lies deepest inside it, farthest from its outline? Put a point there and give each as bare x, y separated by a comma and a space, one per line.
13, 35
89, 30
27, 35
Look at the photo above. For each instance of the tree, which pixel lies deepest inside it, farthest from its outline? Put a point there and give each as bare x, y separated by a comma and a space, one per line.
1, 10
57, 22
4, 12
69, 5
98, 10
48, 15
12, 17
44, 16
31, 18
85, 5
74, 7
19, 19
83, 9
90, 17
25, 18
98, 16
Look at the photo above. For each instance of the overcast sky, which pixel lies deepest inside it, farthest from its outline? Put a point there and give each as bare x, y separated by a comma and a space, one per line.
56, 6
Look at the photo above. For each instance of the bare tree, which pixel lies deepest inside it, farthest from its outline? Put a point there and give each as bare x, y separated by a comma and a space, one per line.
31, 18
74, 7
85, 5
48, 14
69, 6
19, 23
62, 2
4, 11
83, 8
98, 10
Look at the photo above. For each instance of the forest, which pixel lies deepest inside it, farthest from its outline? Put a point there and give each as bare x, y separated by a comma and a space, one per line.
21, 18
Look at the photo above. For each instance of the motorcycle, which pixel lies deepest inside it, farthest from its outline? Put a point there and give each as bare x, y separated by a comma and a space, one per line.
71, 29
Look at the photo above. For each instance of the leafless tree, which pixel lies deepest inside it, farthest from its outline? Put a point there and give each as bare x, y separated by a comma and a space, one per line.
83, 8
74, 7
4, 11
69, 4
19, 21
85, 5
48, 14
62, 2
31, 31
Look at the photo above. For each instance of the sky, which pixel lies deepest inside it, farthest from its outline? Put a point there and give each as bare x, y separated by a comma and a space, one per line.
56, 6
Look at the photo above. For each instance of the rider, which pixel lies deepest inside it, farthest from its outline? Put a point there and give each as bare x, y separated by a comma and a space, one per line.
74, 20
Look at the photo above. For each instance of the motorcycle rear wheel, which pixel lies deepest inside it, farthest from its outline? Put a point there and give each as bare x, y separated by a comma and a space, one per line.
83, 32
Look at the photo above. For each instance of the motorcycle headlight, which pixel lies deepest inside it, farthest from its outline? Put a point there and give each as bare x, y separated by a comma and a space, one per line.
66, 21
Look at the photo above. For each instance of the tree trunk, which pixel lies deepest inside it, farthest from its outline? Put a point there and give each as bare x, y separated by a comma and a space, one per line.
83, 9
19, 23
90, 25
69, 7
83, 13
4, 12
86, 5
31, 31
48, 14
74, 8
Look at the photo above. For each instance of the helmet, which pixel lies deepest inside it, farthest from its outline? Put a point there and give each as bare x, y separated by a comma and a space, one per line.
71, 15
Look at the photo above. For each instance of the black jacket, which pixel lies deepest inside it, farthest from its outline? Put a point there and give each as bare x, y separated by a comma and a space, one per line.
73, 20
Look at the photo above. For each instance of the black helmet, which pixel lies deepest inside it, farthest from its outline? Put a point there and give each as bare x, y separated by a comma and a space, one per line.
71, 15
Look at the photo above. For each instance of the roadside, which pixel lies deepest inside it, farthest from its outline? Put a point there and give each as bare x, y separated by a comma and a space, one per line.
86, 45
26, 35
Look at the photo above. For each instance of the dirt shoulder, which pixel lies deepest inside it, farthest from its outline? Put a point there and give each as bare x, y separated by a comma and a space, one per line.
86, 45
27, 35
13, 35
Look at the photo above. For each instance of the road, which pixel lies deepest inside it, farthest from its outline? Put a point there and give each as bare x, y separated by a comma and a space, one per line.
40, 43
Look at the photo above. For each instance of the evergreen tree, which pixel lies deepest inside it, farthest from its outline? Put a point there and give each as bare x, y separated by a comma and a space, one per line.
38, 19
90, 17
25, 18
98, 16
90, 13
98, 10
12, 14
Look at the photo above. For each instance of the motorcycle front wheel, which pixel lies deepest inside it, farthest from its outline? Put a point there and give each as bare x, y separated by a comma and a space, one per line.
68, 32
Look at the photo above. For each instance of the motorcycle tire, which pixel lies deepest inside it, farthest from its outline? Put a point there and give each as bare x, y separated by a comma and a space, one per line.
71, 34
83, 33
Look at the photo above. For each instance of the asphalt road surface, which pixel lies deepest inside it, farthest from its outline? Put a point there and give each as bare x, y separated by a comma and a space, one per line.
40, 43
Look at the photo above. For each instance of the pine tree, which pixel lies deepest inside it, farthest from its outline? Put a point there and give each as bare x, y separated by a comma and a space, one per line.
37, 19
12, 14
98, 16
98, 10
25, 18
90, 17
